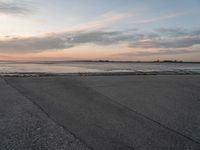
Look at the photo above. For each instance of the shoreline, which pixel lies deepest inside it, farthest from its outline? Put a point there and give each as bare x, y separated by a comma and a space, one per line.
46, 74
100, 61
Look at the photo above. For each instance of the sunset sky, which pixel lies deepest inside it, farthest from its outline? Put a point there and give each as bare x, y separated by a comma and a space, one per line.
100, 29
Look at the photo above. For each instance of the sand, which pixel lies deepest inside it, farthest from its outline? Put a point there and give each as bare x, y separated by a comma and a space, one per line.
154, 112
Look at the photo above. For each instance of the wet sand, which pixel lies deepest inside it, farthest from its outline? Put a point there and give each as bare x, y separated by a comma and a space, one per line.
154, 112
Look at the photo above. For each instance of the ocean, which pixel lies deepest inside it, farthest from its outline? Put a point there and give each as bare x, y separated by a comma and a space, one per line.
95, 67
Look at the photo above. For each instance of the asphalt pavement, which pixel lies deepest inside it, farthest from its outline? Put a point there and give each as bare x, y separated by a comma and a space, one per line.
144, 112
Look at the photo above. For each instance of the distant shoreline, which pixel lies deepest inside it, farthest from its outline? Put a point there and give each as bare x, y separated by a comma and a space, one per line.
94, 61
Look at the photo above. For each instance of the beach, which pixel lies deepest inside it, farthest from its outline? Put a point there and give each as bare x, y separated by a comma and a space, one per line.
126, 112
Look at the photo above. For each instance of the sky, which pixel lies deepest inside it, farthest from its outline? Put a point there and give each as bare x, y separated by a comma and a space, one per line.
133, 30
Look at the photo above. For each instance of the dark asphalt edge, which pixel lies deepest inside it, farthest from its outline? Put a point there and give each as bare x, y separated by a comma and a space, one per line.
143, 116
48, 116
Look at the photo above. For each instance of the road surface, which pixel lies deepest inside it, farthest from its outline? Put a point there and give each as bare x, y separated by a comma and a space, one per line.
100, 112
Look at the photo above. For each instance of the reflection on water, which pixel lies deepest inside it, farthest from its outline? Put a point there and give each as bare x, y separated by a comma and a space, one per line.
85, 67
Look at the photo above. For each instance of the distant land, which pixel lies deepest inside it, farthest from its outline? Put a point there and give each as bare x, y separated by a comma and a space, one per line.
96, 61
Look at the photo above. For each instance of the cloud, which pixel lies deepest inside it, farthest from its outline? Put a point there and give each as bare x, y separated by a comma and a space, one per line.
40, 21
157, 19
161, 52
61, 41
88, 33
172, 32
166, 39
167, 43
103, 21
14, 7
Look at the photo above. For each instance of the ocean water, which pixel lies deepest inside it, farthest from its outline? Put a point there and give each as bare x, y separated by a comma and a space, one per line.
94, 67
